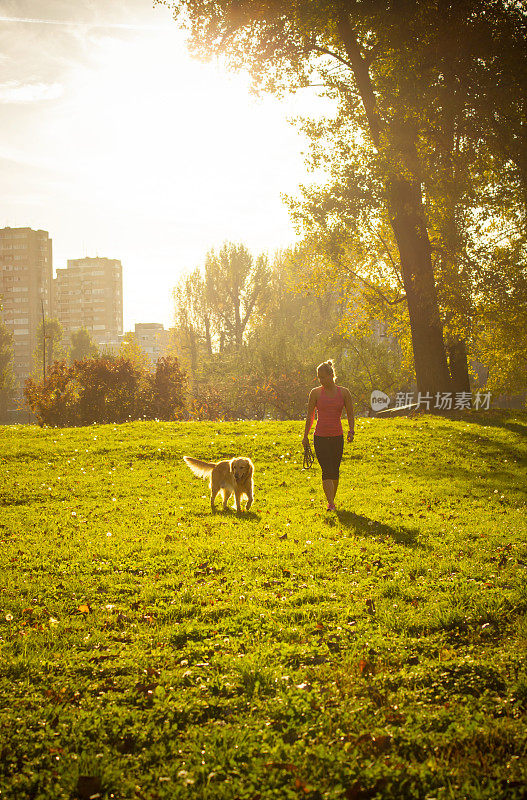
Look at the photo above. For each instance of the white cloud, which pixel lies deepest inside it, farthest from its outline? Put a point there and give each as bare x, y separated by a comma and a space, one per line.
18, 92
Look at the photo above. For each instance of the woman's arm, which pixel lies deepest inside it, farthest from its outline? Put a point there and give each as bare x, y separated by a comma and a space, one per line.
349, 411
311, 405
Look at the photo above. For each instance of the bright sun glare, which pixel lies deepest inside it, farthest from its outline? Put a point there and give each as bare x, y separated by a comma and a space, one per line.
152, 157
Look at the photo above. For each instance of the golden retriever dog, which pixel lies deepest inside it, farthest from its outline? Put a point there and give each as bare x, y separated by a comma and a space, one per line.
228, 477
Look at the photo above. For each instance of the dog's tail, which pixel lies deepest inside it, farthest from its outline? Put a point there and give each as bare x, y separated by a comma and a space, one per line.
200, 468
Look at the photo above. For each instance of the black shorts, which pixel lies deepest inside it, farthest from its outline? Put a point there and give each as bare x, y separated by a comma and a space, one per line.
329, 451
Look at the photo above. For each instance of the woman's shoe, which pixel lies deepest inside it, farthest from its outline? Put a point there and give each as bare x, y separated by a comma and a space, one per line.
331, 507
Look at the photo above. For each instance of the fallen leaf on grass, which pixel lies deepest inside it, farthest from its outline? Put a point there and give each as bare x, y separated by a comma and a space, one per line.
152, 672
366, 667
301, 785
84, 608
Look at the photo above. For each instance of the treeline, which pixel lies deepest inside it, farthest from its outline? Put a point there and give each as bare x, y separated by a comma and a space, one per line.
250, 333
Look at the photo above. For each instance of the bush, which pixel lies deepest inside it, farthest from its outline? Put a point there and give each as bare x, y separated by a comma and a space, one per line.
104, 390
164, 391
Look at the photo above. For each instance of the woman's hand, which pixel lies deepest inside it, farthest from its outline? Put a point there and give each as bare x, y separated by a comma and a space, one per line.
350, 436
305, 440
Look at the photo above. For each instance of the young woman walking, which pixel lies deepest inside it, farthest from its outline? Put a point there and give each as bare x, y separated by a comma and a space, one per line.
328, 400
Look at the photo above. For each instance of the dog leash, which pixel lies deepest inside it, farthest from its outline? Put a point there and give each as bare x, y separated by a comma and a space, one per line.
308, 456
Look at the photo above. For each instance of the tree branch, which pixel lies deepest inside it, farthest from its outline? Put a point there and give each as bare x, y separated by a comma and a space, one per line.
360, 67
374, 288
388, 253
327, 52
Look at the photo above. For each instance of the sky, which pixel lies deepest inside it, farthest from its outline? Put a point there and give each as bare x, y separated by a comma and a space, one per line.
121, 145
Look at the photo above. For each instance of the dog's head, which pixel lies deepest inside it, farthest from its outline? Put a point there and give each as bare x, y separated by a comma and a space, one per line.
242, 469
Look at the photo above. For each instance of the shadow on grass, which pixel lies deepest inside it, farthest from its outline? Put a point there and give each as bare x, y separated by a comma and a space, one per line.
364, 526
515, 421
230, 513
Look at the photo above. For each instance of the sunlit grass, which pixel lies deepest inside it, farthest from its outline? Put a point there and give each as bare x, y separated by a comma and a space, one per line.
153, 650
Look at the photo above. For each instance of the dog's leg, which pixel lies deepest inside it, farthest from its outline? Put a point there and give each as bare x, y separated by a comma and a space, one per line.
226, 496
213, 493
249, 500
238, 496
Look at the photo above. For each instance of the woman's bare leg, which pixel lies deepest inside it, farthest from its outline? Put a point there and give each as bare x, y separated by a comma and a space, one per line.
335, 487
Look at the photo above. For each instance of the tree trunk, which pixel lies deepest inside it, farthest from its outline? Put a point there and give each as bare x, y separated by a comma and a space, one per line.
457, 357
238, 333
399, 160
193, 352
407, 220
208, 338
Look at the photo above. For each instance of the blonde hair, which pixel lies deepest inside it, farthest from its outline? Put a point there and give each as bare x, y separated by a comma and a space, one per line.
327, 366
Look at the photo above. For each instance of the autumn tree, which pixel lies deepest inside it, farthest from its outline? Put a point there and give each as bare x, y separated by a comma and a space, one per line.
390, 68
163, 395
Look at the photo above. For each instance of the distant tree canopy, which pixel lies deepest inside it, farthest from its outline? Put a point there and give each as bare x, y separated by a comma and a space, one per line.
215, 306
131, 350
296, 321
82, 346
426, 151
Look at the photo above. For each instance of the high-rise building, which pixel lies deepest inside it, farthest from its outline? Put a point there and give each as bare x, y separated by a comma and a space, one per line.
152, 338
26, 291
89, 294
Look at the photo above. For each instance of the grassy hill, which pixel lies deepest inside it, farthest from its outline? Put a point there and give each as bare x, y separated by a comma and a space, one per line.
151, 650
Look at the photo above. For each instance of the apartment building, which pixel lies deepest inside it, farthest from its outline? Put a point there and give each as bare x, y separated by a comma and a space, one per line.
89, 294
26, 290
152, 338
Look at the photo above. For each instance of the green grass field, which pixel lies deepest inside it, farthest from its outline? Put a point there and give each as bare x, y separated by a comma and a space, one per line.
151, 650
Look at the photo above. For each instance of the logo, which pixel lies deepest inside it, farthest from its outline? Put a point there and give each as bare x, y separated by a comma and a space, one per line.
379, 400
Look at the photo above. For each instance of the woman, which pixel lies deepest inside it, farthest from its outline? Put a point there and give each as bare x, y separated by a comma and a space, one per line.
329, 399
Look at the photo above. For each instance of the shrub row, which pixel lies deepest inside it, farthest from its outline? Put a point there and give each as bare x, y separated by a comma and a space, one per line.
106, 390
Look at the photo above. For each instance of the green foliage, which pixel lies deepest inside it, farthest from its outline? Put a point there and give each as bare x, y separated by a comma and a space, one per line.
82, 346
99, 390
424, 142
131, 350
306, 317
6, 369
151, 649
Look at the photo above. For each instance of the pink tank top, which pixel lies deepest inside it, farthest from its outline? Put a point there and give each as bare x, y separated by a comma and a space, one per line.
329, 409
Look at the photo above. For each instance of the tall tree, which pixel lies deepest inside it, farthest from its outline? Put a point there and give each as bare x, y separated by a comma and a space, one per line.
385, 64
50, 341
215, 306
6, 369
237, 284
